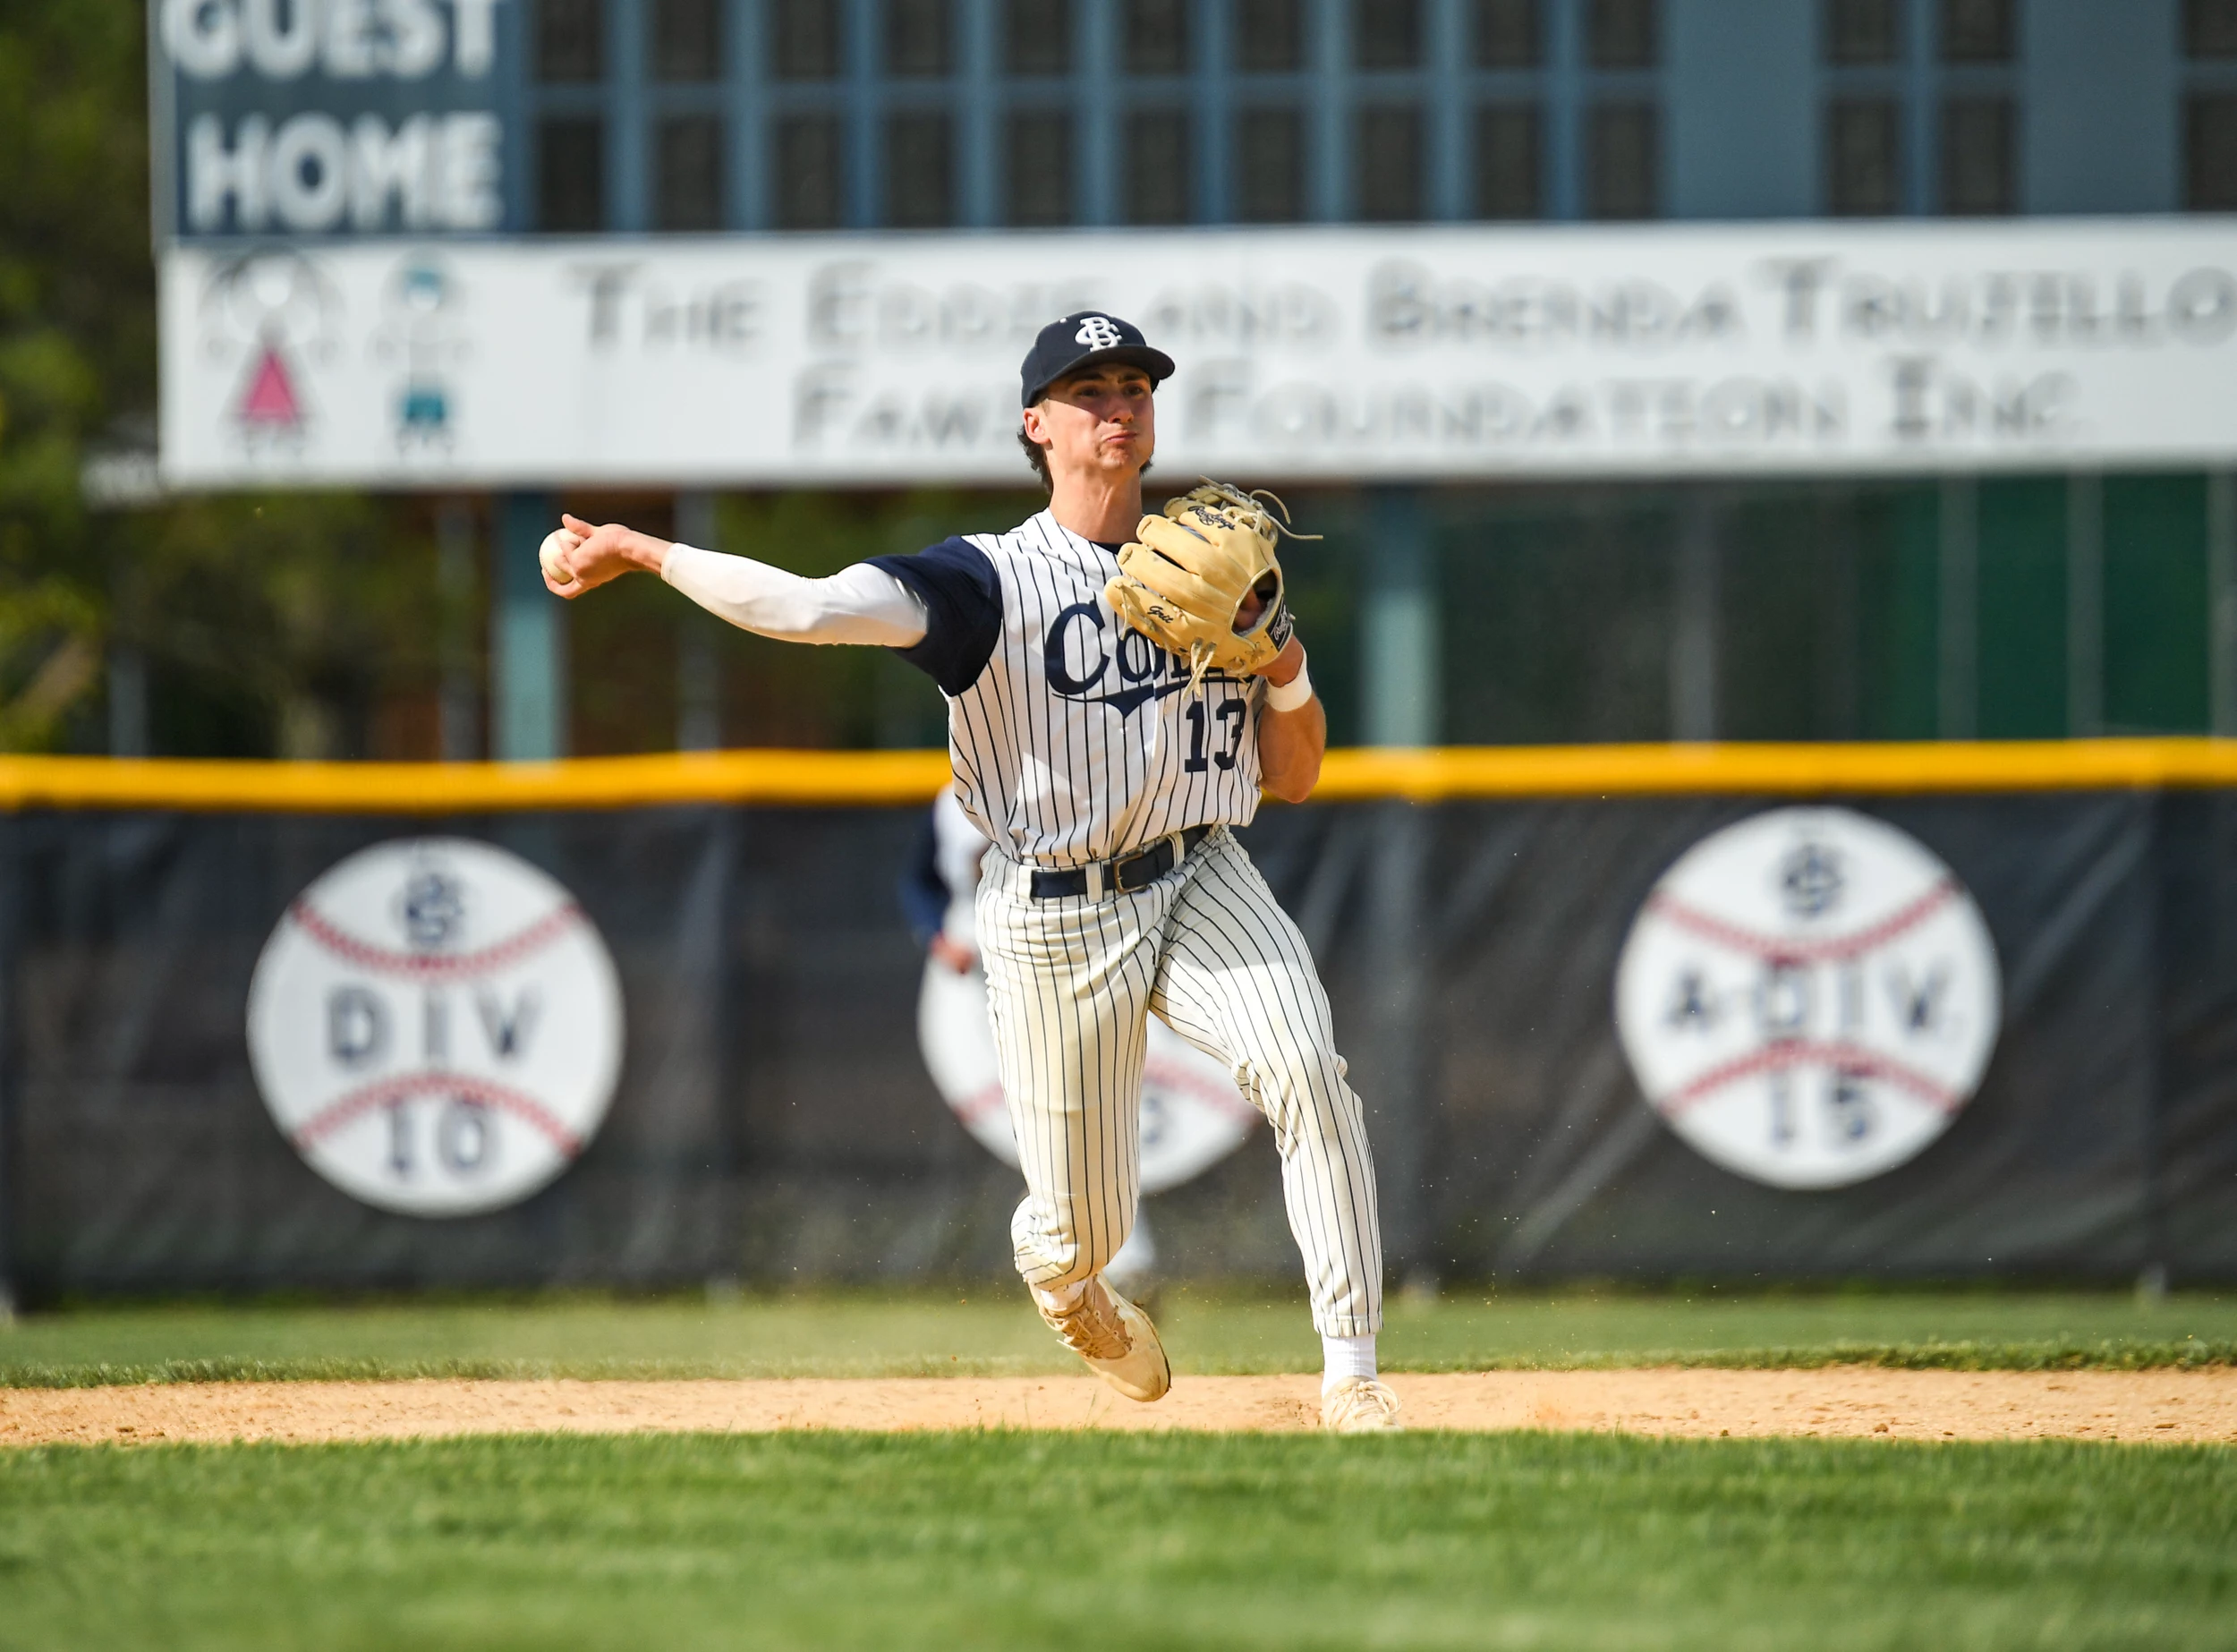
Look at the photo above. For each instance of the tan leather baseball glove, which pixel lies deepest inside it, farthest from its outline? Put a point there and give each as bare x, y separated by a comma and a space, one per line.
1182, 579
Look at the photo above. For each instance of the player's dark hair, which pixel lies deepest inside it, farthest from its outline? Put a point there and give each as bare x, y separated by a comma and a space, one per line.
1037, 456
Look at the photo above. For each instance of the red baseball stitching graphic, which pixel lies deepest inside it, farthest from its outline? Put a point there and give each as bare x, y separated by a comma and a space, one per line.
430, 965
381, 1092
982, 1101
1774, 948
1806, 1052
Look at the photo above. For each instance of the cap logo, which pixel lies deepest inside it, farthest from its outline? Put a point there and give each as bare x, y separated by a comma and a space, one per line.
1098, 333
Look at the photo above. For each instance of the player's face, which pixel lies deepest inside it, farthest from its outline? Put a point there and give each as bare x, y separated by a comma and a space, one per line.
1099, 419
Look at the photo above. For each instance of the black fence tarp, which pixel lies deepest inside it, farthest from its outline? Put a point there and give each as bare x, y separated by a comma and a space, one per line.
774, 1122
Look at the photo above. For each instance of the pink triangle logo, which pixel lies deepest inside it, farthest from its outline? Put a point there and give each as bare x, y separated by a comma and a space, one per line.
271, 401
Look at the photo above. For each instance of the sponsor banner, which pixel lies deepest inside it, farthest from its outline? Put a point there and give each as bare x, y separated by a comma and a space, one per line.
332, 117
1304, 354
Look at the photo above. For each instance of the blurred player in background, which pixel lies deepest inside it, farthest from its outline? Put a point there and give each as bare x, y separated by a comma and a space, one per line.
939, 893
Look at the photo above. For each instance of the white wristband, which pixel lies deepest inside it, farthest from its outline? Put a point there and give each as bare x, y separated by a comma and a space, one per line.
1291, 696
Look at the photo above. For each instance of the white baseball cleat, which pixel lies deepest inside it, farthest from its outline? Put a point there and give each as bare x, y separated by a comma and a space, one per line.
1360, 1405
1116, 1339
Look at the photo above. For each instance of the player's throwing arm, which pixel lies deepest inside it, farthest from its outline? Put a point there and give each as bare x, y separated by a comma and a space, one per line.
1121, 687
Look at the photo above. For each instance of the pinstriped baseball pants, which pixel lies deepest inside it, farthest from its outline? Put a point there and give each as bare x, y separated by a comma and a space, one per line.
1071, 982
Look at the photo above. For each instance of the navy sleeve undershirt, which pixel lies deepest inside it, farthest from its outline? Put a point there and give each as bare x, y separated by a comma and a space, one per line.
963, 610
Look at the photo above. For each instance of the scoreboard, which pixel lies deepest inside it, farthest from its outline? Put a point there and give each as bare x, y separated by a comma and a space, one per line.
335, 117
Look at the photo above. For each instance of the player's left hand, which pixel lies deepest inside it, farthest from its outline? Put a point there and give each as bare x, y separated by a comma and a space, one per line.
1247, 611
957, 956
577, 557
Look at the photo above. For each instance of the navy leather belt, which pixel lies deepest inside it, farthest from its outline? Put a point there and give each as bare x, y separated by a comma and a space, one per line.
1128, 871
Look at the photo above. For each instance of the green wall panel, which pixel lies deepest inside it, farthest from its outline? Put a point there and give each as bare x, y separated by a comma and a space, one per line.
2023, 669
1557, 616
2156, 605
1788, 634
1898, 553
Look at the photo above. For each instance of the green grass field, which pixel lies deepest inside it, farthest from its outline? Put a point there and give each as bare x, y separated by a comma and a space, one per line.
995, 1541
990, 1540
993, 1331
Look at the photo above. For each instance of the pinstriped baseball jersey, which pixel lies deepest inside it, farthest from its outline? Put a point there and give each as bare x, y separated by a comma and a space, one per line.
1074, 739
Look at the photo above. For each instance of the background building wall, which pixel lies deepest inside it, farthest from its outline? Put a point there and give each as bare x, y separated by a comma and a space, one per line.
2004, 606
2067, 606
756, 114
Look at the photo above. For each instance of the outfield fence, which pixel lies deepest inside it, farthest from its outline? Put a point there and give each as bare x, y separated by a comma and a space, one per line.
773, 1121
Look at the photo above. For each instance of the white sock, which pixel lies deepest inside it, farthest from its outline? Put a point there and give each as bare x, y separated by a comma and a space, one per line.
1062, 1298
1343, 1358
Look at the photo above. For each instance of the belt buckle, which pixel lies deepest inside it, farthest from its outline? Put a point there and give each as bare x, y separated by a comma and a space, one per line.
1170, 843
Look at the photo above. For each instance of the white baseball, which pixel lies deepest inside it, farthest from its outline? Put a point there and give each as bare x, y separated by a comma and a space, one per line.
552, 556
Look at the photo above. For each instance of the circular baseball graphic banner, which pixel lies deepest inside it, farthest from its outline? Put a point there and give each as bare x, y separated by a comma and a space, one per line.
1809, 997
1192, 1114
435, 1026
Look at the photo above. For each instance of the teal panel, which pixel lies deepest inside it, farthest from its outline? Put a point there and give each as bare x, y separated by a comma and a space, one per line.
528, 713
2022, 661
2155, 670
1743, 125
2101, 107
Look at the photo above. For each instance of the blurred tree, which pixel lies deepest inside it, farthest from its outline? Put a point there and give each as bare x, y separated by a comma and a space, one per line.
77, 334
305, 614
272, 625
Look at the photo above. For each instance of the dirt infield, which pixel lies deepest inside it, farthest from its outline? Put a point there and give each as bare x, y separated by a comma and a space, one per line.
2186, 1407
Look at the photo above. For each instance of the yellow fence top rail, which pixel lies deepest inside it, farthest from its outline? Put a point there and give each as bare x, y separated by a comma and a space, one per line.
464, 788
896, 778
1780, 771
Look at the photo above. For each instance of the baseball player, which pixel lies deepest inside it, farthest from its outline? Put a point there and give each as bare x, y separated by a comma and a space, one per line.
1120, 687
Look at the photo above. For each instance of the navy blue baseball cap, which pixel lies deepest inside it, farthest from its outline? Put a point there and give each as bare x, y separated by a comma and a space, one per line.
1084, 339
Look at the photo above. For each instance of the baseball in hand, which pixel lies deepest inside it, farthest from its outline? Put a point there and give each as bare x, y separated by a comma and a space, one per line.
552, 555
